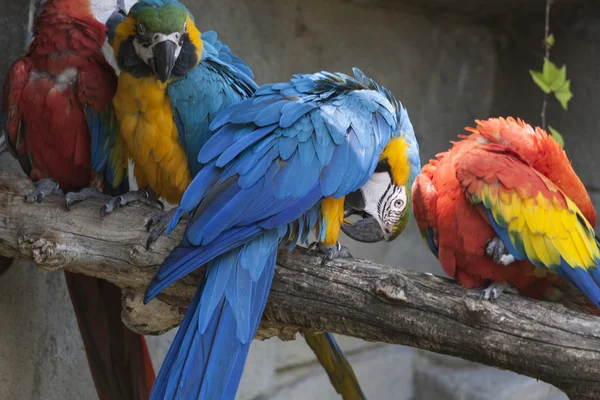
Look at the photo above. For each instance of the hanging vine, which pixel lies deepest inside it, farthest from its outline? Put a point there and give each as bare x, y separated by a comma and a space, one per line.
552, 80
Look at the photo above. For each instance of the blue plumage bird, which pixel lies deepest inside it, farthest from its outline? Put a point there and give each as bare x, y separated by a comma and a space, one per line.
278, 165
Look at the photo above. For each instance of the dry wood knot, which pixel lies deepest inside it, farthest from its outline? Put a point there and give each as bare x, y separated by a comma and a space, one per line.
44, 252
391, 289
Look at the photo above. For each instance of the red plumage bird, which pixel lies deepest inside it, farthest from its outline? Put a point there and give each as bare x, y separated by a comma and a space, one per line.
503, 207
59, 123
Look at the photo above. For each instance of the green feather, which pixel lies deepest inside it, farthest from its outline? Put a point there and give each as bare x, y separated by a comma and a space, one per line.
166, 19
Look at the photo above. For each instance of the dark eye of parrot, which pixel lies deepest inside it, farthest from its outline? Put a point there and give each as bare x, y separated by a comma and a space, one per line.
140, 29
398, 203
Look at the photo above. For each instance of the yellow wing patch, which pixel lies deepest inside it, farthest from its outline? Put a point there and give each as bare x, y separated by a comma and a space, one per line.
542, 229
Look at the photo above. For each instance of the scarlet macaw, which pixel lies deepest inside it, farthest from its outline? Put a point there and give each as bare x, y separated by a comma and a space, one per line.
59, 123
279, 165
504, 207
174, 82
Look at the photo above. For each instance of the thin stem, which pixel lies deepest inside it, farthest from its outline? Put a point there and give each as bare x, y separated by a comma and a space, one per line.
546, 34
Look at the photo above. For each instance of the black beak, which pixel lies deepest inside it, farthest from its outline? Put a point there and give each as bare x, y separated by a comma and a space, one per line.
164, 59
365, 230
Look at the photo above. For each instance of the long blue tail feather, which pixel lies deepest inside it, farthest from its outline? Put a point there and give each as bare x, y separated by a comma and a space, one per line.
208, 363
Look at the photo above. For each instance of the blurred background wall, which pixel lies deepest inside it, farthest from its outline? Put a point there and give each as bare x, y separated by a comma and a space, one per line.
449, 62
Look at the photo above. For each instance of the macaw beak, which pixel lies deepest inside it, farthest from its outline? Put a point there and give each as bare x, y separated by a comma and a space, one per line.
366, 230
164, 59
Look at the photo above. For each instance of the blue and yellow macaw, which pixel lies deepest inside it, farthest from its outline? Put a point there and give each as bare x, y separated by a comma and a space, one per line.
279, 165
174, 81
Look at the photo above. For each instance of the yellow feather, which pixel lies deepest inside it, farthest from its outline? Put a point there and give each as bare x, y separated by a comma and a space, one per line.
147, 127
194, 35
526, 236
539, 245
504, 206
554, 256
125, 29
395, 154
333, 214
529, 214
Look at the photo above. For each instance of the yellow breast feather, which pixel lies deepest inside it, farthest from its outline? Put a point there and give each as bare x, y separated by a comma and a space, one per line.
145, 115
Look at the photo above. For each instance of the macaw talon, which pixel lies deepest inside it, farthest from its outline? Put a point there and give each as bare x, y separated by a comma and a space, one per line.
43, 188
494, 290
84, 194
496, 249
141, 195
157, 223
334, 252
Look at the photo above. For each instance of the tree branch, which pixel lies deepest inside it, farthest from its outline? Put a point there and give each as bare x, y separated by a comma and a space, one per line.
354, 297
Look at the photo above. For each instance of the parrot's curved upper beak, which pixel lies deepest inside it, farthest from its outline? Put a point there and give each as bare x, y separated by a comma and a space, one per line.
164, 59
366, 230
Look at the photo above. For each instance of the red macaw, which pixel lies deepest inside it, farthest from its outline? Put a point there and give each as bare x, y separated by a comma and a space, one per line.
59, 123
504, 208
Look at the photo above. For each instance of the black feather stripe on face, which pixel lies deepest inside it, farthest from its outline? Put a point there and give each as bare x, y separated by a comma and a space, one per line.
187, 59
130, 62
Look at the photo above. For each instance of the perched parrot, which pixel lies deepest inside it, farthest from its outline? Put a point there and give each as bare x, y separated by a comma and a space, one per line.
59, 123
296, 157
504, 208
174, 81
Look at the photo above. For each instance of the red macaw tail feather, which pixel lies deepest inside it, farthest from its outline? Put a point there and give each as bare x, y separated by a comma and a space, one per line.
118, 358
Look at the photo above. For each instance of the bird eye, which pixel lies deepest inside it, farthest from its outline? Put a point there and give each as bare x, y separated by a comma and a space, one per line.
177, 36
398, 203
139, 27
156, 37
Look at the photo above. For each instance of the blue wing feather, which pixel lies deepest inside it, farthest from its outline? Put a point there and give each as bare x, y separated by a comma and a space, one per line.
104, 129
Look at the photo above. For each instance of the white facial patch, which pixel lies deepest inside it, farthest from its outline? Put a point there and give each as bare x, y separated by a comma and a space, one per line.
384, 200
146, 54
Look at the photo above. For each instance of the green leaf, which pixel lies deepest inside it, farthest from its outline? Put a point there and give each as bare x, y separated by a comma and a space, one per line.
549, 41
556, 136
538, 78
563, 94
550, 72
560, 78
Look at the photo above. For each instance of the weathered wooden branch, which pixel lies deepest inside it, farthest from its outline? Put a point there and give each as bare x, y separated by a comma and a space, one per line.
353, 297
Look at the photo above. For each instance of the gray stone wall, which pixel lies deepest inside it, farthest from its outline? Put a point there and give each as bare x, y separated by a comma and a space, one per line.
446, 71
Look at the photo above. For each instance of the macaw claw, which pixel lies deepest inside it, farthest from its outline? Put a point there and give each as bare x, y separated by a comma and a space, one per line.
142, 195
496, 249
334, 252
84, 194
493, 291
43, 188
157, 223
